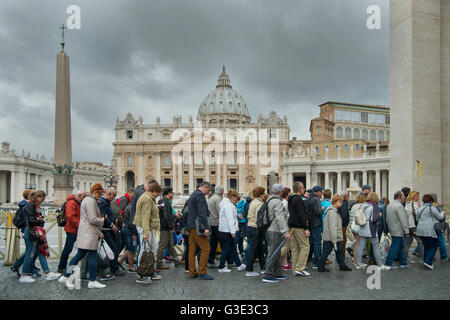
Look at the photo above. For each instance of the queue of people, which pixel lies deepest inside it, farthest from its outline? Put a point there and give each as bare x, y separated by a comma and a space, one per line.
303, 228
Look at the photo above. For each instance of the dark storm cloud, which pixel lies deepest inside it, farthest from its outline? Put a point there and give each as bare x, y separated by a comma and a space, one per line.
163, 57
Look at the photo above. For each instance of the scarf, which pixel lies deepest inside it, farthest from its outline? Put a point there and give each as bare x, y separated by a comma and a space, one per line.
41, 235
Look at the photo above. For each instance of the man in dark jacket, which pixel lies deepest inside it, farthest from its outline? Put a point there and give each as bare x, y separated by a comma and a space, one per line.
198, 220
167, 225
125, 200
298, 220
345, 217
314, 211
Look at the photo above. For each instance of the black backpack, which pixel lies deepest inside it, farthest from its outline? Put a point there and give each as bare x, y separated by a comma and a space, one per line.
19, 219
61, 217
262, 217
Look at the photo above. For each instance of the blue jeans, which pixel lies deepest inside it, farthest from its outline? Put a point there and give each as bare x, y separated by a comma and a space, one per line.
228, 246
42, 259
31, 254
396, 251
442, 246
315, 244
68, 247
430, 246
110, 240
127, 239
92, 262
242, 234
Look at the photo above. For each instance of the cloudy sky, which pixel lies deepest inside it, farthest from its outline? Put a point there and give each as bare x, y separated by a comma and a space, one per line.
163, 57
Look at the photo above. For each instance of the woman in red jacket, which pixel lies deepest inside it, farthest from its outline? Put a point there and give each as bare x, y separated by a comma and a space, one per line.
72, 213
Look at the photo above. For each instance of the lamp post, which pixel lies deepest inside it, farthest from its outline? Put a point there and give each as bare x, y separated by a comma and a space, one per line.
111, 180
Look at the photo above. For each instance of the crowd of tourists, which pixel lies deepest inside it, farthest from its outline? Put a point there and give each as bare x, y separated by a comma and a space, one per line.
281, 230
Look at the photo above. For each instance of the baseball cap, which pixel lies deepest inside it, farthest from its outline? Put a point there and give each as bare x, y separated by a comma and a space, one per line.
366, 187
317, 189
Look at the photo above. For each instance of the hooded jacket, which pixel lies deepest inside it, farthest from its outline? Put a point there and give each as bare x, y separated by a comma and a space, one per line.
166, 217
314, 211
72, 214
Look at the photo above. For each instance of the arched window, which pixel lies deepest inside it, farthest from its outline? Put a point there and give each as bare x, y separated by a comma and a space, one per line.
380, 135
339, 132
373, 135
348, 132
317, 149
357, 146
345, 147
130, 161
356, 133
318, 130
365, 134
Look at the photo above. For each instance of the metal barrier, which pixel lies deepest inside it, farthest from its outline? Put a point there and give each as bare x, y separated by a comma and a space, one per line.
11, 235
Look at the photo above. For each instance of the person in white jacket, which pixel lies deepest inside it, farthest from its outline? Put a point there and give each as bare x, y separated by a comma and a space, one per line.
228, 226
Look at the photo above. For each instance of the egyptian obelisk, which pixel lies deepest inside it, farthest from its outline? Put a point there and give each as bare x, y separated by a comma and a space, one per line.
63, 175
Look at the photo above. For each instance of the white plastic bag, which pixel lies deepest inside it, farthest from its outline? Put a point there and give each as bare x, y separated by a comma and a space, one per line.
104, 250
385, 245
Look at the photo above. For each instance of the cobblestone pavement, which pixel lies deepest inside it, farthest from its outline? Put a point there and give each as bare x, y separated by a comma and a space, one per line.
415, 282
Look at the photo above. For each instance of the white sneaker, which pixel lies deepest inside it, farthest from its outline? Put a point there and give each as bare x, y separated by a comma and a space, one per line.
428, 266
251, 274
262, 271
52, 276
302, 273
384, 267
224, 270
156, 277
95, 285
70, 285
63, 280
241, 267
26, 279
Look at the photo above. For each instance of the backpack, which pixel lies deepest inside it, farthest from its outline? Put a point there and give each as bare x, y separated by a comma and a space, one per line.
360, 218
61, 217
262, 217
19, 219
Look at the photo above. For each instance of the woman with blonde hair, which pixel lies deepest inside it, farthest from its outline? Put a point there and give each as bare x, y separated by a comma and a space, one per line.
412, 207
354, 228
89, 232
368, 232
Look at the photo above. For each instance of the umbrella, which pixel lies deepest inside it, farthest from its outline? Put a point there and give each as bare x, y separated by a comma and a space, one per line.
278, 248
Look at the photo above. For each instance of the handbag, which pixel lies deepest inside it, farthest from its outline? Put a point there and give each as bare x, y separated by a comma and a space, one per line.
146, 266
201, 231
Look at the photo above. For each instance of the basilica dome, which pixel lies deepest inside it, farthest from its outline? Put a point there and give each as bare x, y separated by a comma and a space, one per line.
223, 103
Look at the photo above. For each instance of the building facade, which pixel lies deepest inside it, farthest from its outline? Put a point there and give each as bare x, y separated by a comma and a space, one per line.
19, 172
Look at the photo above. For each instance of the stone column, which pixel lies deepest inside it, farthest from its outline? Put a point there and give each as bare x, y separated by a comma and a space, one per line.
377, 183
225, 177
364, 177
241, 186
372, 181
384, 184
290, 179
327, 180
352, 178
180, 178
174, 175
419, 76
140, 168
339, 182
13, 186
218, 174
158, 167
207, 172
308, 180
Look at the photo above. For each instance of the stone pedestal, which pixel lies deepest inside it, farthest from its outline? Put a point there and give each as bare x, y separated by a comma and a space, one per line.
63, 186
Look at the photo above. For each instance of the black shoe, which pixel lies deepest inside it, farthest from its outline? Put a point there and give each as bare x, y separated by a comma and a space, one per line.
13, 269
323, 269
350, 252
107, 277
62, 271
345, 269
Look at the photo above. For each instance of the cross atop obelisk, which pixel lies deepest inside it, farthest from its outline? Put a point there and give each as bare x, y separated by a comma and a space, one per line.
62, 38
